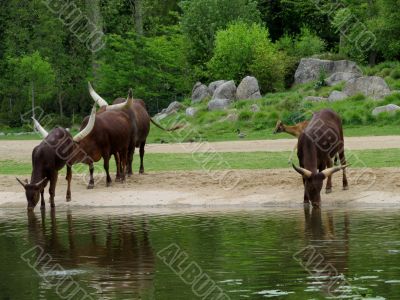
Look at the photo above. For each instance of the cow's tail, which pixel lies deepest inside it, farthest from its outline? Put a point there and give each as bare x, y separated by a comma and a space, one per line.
176, 127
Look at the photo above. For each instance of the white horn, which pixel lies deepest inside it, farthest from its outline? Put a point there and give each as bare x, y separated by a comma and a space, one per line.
39, 128
89, 127
120, 105
302, 171
330, 171
100, 101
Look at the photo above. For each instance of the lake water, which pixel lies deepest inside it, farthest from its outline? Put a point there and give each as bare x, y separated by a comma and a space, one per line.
266, 253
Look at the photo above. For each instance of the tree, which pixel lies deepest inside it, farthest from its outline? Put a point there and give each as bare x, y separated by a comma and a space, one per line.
203, 18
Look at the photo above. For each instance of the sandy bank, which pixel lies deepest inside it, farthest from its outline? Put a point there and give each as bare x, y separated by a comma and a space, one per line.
261, 188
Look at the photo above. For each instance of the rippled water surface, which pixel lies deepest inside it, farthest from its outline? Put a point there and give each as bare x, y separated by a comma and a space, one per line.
279, 254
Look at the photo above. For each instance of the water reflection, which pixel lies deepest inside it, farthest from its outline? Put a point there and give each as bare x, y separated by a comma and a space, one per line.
248, 254
122, 263
330, 252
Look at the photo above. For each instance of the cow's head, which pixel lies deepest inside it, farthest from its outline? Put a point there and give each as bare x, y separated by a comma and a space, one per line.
313, 182
32, 192
280, 127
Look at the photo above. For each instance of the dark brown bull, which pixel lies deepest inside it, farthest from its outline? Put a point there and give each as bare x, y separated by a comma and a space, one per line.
113, 134
317, 145
142, 126
48, 158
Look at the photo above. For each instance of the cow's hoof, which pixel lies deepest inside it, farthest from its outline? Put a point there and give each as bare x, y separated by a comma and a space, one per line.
90, 187
108, 184
328, 191
68, 199
43, 207
345, 188
117, 179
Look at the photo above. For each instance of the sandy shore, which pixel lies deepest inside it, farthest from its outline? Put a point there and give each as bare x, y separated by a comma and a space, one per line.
22, 150
177, 190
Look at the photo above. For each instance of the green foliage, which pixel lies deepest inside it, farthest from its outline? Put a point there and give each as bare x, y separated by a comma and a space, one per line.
155, 67
203, 18
308, 43
234, 50
244, 49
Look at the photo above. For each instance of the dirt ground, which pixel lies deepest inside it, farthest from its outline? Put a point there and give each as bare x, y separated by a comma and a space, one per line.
177, 190
21, 150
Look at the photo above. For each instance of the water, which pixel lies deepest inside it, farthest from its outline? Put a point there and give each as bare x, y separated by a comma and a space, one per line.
248, 255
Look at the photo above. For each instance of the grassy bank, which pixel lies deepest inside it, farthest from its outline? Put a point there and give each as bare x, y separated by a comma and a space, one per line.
249, 160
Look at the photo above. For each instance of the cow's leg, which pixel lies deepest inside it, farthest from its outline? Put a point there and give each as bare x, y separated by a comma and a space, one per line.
106, 159
91, 180
52, 189
118, 165
328, 188
343, 162
68, 178
131, 152
42, 202
141, 170
306, 199
124, 159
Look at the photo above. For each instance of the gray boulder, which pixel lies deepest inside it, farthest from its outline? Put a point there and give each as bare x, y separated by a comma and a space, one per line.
226, 90
338, 77
370, 86
254, 108
386, 108
337, 96
173, 107
248, 89
214, 85
191, 111
315, 99
199, 92
309, 69
219, 104
160, 116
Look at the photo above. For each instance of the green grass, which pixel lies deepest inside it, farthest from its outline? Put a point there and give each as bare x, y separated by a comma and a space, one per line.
228, 160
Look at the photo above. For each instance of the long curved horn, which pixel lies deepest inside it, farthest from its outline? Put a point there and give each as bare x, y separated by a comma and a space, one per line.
39, 128
23, 184
330, 171
302, 171
41, 182
100, 101
120, 106
89, 127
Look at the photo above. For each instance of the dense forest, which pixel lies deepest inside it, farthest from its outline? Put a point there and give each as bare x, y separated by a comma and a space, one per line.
50, 49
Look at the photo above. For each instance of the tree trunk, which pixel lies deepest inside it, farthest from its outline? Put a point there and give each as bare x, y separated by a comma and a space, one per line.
33, 98
60, 103
94, 15
372, 58
138, 16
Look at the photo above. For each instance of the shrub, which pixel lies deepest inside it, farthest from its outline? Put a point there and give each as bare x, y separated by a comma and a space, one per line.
395, 74
269, 67
308, 43
244, 49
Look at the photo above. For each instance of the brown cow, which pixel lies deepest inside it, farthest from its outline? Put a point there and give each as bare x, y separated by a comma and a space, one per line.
142, 125
49, 157
113, 134
319, 142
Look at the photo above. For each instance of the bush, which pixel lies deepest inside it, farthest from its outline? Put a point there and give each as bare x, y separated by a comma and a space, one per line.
244, 49
308, 43
234, 50
269, 66
395, 74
